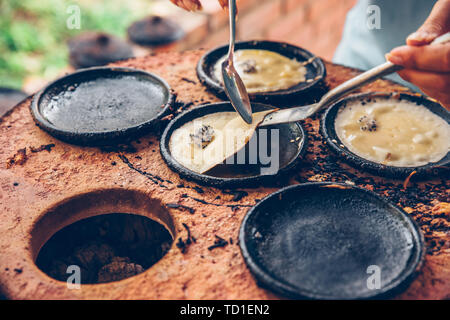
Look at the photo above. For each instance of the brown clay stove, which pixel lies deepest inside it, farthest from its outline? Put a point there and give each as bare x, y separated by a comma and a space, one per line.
47, 186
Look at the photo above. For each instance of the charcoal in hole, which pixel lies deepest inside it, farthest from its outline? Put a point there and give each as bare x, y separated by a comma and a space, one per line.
108, 247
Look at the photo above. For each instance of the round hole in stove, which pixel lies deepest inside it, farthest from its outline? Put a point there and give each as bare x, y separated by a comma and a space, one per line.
108, 235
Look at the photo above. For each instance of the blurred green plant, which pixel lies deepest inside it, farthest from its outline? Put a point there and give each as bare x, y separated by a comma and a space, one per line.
33, 34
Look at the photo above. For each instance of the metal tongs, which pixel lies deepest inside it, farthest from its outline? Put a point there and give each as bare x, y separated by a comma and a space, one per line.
303, 112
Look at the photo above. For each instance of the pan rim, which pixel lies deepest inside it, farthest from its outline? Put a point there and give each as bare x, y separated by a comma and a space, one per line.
218, 181
98, 137
205, 78
271, 282
327, 128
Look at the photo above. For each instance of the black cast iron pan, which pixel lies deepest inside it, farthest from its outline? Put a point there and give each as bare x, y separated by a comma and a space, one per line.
441, 168
102, 105
292, 144
325, 241
302, 93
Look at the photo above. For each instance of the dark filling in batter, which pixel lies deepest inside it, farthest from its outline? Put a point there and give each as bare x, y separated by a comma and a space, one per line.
203, 136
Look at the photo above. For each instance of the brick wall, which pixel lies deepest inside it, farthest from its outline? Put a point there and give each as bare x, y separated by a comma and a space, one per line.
315, 25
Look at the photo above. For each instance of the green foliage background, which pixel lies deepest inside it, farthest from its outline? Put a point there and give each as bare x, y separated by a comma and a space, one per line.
33, 33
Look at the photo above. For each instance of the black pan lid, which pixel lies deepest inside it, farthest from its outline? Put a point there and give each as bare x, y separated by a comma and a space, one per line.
154, 31
326, 240
90, 49
102, 105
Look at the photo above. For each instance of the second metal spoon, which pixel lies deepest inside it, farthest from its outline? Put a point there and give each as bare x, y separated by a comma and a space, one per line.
301, 113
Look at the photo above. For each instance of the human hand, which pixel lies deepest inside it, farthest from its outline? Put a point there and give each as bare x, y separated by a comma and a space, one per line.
194, 5
428, 66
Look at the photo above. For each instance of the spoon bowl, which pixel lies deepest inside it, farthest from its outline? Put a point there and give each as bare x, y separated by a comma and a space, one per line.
234, 87
235, 90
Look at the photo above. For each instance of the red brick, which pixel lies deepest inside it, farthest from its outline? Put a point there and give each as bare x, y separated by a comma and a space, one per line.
290, 5
321, 9
303, 37
325, 9
285, 20
254, 23
325, 47
286, 25
217, 17
314, 32
322, 45
196, 28
247, 5
219, 37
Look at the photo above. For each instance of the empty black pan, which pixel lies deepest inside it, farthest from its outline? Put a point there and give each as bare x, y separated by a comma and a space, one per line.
302, 93
292, 144
440, 168
102, 105
330, 241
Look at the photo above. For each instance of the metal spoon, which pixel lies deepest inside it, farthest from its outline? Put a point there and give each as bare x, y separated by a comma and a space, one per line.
301, 113
234, 87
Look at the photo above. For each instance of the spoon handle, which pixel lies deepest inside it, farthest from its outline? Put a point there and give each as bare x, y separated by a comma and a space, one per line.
300, 113
232, 17
356, 82
366, 77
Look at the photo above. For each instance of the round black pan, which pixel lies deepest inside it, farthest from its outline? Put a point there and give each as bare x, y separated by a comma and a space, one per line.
440, 168
302, 93
102, 105
328, 241
292, 143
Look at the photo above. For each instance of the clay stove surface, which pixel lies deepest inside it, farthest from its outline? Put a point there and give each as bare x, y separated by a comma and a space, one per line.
34, 178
